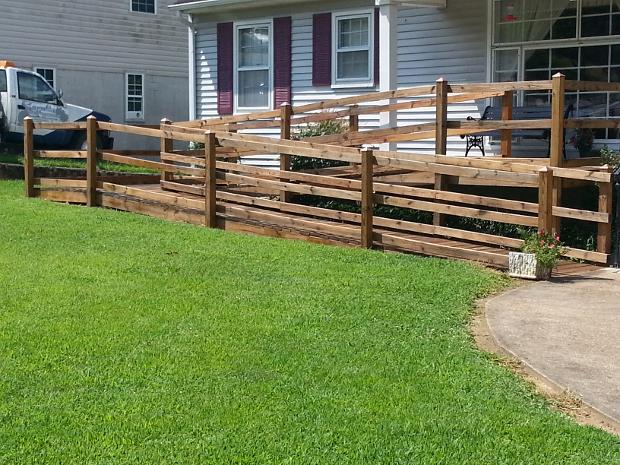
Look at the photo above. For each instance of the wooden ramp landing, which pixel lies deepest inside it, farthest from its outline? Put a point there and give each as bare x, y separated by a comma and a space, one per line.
275, 219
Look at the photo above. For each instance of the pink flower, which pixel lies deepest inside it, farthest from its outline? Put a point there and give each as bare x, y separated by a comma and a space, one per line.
552, 246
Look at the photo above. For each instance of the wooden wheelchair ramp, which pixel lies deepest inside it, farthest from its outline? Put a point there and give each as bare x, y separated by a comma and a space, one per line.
276, 219
215, 184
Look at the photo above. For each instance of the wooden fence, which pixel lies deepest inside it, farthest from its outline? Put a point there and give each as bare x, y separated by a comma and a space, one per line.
209, 186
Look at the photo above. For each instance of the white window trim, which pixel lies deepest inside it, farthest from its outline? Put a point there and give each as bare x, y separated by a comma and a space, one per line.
49, 68
354, 83
243, 25
131, 10
134, 115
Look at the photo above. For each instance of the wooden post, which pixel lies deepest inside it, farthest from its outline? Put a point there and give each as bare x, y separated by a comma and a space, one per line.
545, 199
441, 137
286, 111
210, 180
354, 121
605, 205
91, 161
367, 198
507, 104
557, 120
556, 157
354, 125
167, 146
29, 156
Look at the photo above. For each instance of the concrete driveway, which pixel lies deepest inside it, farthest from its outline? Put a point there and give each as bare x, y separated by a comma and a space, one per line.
567, 330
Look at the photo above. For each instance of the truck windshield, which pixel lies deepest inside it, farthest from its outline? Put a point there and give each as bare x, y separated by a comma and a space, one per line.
3, 87
33, 87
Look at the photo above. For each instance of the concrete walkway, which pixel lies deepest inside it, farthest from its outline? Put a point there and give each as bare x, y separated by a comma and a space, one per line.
567, 330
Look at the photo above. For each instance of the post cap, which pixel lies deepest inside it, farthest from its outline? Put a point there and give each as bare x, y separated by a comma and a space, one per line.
165, 121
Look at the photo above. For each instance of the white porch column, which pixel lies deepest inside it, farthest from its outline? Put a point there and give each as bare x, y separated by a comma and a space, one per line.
388, 60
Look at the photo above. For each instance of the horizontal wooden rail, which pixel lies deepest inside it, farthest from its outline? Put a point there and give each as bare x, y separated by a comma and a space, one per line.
583, 215
290, 187
221, 120
462, 171
68, 126
189, 160
490, 202
127, 129
502, 86
154, 165
76, 154
369, 110
592, 123
581, 175
592, 86
292, 176
64, 183
508, 218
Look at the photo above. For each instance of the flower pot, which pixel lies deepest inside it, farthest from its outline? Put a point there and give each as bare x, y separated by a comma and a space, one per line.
526, 266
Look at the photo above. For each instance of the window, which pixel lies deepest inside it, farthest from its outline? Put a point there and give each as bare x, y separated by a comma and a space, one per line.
253, 67
143, 6
49, 74
135, 97
586, 63
353, 53
3, 83
533, 40
600, 18
34, 88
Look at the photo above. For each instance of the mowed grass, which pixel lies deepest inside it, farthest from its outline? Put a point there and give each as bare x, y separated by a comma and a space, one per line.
128, 340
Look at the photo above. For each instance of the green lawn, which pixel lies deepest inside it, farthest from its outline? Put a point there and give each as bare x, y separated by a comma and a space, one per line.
72, 163
128, 340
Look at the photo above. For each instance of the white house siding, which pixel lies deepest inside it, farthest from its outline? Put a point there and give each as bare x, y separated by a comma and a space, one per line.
92, 44
449, 43
432, 43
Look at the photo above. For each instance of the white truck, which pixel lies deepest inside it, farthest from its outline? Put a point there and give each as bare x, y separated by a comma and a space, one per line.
25, 93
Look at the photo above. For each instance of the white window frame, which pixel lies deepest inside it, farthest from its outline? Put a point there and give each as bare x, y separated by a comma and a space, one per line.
244, 25
368, 81
134, 115
47, 68
131, 10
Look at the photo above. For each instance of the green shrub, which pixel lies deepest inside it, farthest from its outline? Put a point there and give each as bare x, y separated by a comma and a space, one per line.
322, 128
610, 157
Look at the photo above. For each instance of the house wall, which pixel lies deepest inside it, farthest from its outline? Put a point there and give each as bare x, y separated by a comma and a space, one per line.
449, 42
93, 44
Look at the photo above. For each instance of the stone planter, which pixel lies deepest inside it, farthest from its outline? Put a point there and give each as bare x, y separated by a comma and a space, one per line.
525, 266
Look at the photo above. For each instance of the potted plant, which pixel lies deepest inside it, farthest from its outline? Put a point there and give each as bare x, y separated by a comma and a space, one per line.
538, 256
583, 140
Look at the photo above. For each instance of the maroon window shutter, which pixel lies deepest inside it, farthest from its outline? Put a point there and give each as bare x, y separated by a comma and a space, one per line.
282, 31
377, 48
322, 49
225, 68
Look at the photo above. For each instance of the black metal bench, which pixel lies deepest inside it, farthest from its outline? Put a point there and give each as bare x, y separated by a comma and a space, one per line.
518, 113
